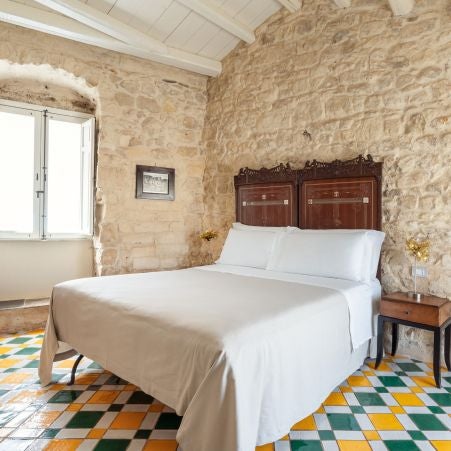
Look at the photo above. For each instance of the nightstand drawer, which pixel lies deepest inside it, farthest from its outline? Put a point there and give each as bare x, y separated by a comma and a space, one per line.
416, 313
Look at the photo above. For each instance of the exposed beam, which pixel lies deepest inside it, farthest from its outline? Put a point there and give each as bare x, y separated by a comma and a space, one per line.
343, 3
291, 5
55, 24
213, 13
401, 7
106, 24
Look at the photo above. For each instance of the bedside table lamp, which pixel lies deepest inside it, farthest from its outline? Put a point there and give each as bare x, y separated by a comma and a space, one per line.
419, 250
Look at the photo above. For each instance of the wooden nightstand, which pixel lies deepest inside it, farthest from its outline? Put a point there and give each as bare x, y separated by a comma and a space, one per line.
430, 313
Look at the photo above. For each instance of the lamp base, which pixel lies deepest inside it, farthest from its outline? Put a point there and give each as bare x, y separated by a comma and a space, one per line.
415, 295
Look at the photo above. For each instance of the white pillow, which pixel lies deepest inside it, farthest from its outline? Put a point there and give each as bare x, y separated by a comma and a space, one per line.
239, 226
247, 248
321, 254
375, 238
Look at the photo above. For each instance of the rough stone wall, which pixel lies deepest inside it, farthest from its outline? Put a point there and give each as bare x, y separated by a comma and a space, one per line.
146, 113
360, 81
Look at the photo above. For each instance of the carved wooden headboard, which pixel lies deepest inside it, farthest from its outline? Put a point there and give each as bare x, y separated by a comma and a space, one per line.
335, 195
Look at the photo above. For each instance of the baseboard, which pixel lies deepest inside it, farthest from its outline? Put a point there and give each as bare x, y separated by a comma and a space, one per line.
23, 319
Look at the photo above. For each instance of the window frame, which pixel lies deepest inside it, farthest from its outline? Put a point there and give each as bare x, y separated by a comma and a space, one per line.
40, 186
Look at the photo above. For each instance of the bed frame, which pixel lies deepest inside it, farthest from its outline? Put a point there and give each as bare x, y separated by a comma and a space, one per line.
336, 195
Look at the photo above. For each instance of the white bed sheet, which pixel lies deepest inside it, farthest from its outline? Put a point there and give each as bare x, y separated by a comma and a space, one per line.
241, 356
363, 299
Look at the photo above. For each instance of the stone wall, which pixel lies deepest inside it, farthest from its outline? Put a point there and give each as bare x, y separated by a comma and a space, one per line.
147, 114
359, 81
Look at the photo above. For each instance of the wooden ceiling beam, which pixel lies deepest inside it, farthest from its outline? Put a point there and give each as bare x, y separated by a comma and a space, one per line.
291, 5
216, 15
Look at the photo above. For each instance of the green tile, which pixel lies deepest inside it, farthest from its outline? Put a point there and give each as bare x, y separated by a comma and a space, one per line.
95, 365
401, 445
391, 381
65, 396
417, 435
357, 409
49, 433
143, 433
27, 351
427, 422
442, 399
32, 364
3, 392
343, 422
369, 399
326, 435
409, 367
168, 420
18, 340
381, 389
436, 409
112, 445
83, 420
306, 445
6, 417
139, 397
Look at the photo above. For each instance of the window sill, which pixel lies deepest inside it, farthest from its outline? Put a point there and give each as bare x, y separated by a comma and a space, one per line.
34, 240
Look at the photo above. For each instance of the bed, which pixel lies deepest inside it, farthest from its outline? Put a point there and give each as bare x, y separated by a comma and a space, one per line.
242, 352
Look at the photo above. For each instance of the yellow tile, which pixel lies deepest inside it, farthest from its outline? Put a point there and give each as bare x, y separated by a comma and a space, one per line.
63, 445
424, 381
69, 363
307, 424
353, 445
5, 349
16, 378
58, 387
41, 420
385, 422
320, 410
358, 381
408, 399
27, 396
104, 397
74, 407
441, 445
397, 409
382, 366
130, 387
285, 437
156, 407
128, 420
267, 447
417, 389
96, 433
335, 399
368, 373
371, 435
86, 379
161, 445
346, 389
8, 363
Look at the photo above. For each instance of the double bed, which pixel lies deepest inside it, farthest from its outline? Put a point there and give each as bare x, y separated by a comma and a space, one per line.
241, 351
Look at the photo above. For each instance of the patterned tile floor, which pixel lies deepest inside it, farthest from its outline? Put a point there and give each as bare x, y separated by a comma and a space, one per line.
394, 408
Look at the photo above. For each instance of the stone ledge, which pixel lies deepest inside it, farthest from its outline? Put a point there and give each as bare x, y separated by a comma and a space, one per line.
23, 319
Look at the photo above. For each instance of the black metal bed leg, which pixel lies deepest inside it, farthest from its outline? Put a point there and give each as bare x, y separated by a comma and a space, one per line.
74, 369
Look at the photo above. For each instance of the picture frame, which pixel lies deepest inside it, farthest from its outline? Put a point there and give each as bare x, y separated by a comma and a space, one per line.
154, 182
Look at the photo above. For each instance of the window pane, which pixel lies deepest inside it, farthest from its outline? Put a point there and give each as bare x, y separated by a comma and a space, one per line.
64, 177
16, 172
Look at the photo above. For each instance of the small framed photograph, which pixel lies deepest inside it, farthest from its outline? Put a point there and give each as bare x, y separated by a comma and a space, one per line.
153, 182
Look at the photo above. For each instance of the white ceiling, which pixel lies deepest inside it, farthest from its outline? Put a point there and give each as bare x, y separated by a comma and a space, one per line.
191, 34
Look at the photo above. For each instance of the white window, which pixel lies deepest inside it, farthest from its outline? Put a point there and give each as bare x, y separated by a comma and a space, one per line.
46, 172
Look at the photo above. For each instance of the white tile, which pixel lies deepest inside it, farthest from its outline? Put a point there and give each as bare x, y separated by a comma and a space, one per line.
168, 434
309, 435
87, 445
15, 445
364, 422
351, 399
84, 397
330, 445
26, 433
376, 409
349, 435
18, 419
406, 422
409, 382
394, 435
437, 435
423, 445
322, 422
54, 407
337, 409
135, 408
375, 382
136, 445
150, 420
388, 399
282, 445
398, 389
416, 409
123, 397
377, 445
39, 445
294, 435
364, 390
73, 433
120, 433
106, 420
4, 432
445, 419
95, 407
62, 420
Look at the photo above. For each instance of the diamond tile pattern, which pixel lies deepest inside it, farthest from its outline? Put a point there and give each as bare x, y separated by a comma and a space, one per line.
396, 407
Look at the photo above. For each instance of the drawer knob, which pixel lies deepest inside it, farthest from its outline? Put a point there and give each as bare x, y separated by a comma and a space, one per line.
406, 312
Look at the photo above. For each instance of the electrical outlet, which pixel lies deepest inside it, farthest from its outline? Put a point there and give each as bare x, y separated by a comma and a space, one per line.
422, 271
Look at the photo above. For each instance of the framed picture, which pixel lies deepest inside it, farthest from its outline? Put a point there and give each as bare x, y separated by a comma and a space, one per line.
153, 182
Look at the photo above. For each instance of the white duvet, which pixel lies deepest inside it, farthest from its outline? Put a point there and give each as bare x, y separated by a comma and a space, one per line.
242, 354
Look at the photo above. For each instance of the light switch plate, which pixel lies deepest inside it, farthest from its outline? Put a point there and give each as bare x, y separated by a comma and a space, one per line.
422, 271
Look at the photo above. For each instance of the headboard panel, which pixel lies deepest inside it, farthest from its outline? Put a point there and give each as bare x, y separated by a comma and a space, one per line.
341, 194
267, 197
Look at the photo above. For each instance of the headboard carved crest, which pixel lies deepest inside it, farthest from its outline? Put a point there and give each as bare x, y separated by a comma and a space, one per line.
281, 172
